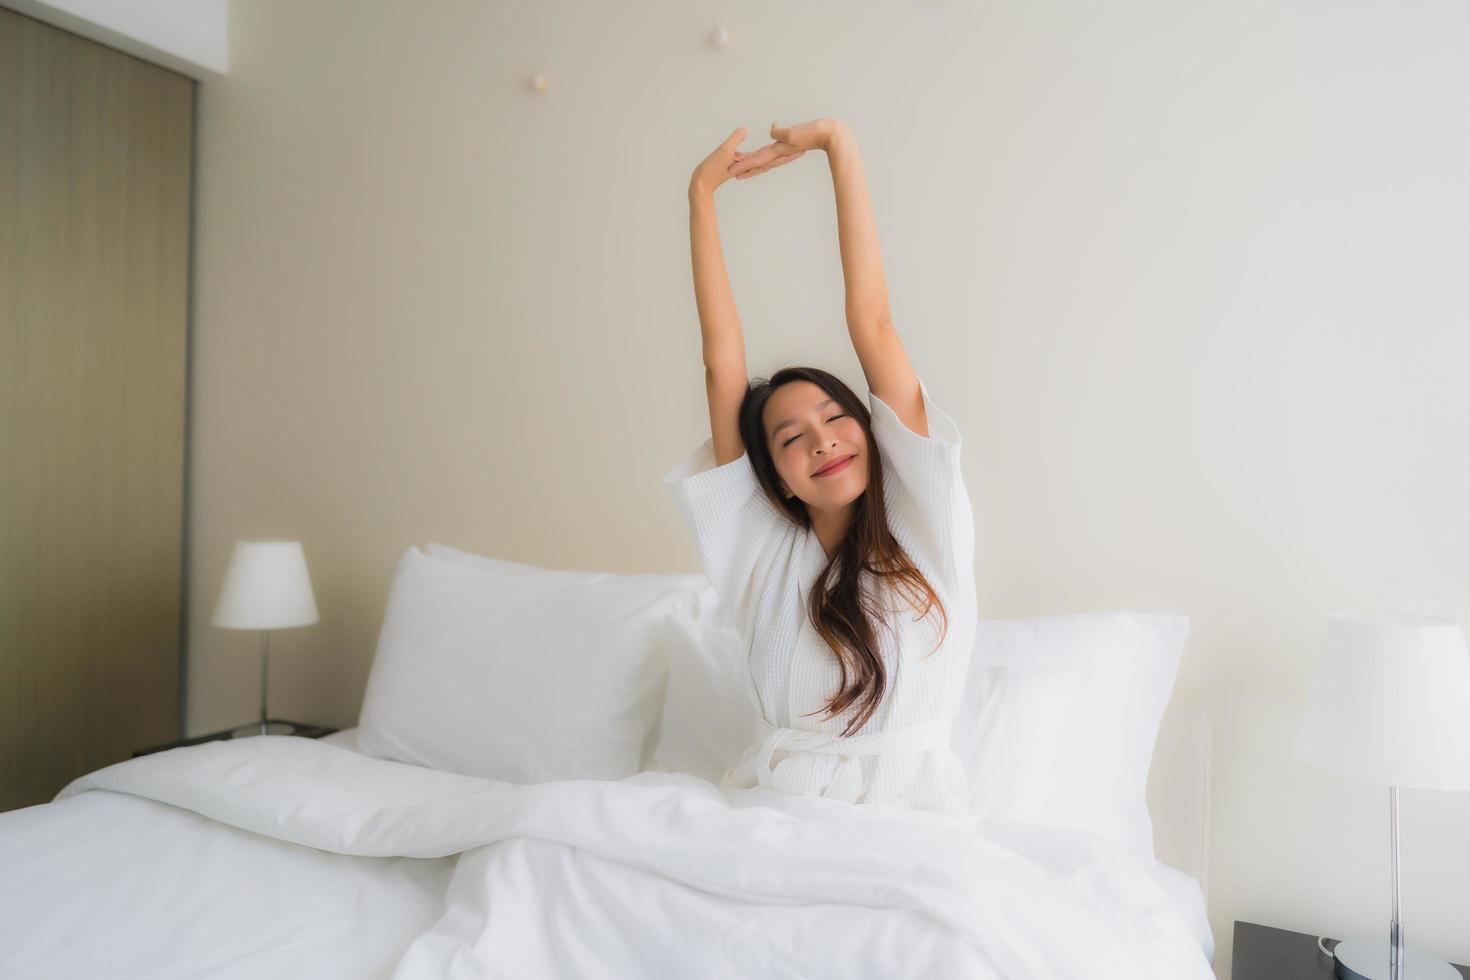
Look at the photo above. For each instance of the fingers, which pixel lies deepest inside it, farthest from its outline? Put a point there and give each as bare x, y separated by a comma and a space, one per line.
759, 168
772, 154
760, 157
774, 162
747, 160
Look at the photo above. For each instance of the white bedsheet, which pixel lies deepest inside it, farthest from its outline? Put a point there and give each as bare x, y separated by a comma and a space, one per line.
107, 885
297, 857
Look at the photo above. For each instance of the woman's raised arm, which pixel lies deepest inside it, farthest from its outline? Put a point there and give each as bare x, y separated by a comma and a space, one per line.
725, 377
885, 363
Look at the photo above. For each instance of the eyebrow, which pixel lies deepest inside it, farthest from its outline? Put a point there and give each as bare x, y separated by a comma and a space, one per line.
781, 425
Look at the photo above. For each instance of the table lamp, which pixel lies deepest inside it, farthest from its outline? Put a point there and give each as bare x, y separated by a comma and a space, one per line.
266, 587
1390, 702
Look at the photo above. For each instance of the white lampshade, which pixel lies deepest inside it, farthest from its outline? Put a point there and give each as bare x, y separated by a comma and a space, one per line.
266, 587
1390, 701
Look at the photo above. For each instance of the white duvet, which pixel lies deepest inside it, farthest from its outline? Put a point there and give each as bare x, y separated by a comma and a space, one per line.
360, 867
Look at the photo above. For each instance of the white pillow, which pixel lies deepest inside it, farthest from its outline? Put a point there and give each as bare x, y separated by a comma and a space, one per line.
689, 582
709, 711
1059, 718
445, 553
518, 673
701, 601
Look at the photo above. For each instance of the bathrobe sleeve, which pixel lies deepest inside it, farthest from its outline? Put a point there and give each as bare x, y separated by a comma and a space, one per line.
737, 530
925, 499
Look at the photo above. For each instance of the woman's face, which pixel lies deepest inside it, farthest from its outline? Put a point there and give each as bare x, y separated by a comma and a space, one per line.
806, 429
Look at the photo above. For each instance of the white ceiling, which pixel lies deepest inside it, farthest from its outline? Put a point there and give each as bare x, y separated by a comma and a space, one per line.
187, 36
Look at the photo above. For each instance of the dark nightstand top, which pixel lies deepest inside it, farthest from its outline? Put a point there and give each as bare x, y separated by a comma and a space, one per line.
1266, 953
305, 731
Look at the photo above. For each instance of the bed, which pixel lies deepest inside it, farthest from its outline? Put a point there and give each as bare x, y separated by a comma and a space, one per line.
440, 839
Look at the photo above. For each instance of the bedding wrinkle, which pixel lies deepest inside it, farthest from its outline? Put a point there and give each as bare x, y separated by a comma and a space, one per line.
763, 565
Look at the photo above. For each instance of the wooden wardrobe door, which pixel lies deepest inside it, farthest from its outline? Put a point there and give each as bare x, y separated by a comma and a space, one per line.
95, 178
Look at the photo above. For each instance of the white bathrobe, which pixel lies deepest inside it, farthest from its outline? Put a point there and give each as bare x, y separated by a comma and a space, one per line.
763, 565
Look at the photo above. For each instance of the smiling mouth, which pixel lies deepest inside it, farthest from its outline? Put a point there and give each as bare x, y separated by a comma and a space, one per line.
836, 467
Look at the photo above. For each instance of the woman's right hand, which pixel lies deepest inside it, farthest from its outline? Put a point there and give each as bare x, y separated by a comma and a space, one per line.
714, 169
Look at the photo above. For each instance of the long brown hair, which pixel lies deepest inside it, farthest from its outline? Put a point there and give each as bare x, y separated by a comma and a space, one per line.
841, 609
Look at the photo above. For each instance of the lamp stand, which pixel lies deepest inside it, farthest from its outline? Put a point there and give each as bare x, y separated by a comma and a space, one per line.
1363, 959
265, 727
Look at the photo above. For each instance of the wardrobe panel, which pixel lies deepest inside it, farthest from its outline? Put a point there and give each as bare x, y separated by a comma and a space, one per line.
95, 177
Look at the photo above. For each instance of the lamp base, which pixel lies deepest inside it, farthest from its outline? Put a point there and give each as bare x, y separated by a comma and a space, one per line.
1364, 959
271, 728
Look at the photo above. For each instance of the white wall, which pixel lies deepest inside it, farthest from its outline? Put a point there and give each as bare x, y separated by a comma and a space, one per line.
1190, 275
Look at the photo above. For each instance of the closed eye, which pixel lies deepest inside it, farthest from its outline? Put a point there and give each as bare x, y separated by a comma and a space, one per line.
798, 435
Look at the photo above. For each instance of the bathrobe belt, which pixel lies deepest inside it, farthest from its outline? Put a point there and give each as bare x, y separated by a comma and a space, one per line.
847, 782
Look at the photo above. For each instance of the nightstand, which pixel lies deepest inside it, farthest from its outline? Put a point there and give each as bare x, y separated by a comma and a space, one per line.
305, 731
1264, 953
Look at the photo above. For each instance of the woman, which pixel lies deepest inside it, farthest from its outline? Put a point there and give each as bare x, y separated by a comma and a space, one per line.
838, 535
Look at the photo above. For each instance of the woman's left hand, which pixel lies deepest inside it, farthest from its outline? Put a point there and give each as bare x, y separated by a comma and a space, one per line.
788, 143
